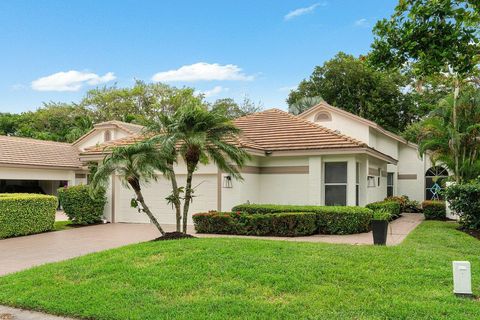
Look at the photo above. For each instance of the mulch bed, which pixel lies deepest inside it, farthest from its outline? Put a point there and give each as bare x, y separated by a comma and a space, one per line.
473, 233
174, 236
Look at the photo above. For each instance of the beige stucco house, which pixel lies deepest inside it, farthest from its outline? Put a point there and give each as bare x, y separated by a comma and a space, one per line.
325, 156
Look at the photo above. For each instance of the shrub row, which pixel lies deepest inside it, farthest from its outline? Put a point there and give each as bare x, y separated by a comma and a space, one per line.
80, 205
392, 207
464, 200
434, 210
328, 220
22, 214
277, 224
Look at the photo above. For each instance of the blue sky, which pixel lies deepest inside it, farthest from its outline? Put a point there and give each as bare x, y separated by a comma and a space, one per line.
57, 50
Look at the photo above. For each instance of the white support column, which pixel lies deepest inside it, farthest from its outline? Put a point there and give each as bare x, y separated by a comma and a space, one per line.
351, 182
315, 180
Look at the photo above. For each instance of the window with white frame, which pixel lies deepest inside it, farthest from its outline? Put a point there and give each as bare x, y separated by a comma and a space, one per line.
335, 183
390, 176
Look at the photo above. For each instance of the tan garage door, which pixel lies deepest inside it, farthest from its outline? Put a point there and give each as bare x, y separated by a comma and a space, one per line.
155, 194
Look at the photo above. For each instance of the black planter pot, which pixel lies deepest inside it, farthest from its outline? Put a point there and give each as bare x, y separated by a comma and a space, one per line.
380, 228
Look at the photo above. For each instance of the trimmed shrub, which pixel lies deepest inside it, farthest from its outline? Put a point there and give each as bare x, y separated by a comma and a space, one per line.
406, 205
392, 207
434, 210
22, 214
464, 200
80, 206
343, 220
278, 224
214, 222
330, 219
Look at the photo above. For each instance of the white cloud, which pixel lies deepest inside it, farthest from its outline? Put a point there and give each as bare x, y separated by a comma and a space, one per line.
203, 71
214, 91
361, 23
70, 80
301, 11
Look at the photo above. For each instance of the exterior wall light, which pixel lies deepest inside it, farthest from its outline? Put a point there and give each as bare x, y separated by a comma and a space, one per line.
227, 181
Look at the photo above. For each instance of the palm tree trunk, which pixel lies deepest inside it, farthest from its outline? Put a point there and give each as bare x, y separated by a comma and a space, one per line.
176, 201
146, 209
188, 195
455, 129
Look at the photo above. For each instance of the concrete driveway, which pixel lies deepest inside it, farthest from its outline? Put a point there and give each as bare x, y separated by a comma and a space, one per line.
28, 251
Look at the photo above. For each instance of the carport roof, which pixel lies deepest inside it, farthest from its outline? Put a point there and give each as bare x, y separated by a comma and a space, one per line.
16, 151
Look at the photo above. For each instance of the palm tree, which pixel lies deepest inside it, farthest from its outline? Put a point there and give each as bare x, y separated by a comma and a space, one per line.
458, 148
304, 104
136, 164
198, 136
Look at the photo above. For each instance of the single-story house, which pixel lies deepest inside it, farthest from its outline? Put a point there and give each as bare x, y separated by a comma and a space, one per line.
30, 165
324, 156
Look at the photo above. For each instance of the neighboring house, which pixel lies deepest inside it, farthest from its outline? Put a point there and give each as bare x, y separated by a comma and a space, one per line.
107, 131
325, 156
29, 165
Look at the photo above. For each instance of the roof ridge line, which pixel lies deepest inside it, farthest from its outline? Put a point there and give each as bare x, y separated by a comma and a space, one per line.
321, 127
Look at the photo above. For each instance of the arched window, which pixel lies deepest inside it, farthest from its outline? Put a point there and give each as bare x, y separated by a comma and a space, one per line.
435, 179
323, 116
107, 136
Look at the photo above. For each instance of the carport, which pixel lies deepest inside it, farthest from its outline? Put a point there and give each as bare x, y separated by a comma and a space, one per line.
37, 166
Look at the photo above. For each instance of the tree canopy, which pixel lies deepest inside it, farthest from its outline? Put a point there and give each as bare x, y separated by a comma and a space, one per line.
352, 84
139, 104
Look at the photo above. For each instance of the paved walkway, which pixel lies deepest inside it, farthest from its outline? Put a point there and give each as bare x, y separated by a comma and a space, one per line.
7, 313
24, 252
397, 231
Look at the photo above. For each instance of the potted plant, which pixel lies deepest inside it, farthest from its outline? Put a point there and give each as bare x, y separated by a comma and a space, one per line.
380, 226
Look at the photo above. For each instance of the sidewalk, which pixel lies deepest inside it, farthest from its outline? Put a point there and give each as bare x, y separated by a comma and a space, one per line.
7, 313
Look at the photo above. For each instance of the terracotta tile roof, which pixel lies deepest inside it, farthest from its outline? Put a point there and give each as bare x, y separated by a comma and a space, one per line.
128, 127
32, 152
276, 130
104, 147
270, 130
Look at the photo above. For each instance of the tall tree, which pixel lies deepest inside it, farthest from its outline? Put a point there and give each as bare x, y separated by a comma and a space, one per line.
436, 133
197, 136
136, 104
351, 84
136, 165
55, 121
432, 37
235, 110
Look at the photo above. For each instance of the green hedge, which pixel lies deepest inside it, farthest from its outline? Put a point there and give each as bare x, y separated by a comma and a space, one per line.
22, 214
330, 219
434, 210
343, 220
464, 200
392, 207
277, 224
80, 206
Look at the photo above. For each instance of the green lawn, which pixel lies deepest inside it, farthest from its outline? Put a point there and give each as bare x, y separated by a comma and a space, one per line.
62, 225
257, 279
